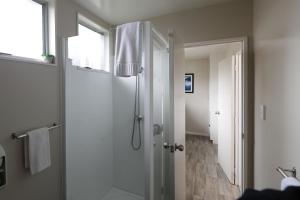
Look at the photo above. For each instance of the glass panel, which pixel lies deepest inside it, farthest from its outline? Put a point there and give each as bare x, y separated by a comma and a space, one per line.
160, 72
21, 24
87, 49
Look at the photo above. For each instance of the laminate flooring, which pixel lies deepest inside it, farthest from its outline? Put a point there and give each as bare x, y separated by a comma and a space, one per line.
205, 179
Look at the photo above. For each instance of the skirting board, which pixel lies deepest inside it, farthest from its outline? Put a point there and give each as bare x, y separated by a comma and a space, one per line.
195, 133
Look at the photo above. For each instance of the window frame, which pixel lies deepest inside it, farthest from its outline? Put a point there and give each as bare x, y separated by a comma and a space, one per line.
45, 37
86, 25
94, 26
45, 21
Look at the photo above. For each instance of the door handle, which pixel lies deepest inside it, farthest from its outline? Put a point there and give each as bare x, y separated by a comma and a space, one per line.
179, 147
173, 148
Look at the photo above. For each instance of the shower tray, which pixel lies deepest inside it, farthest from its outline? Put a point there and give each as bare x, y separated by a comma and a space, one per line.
117, 194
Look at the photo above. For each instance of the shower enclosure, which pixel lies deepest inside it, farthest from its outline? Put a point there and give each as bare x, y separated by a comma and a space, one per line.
101, 163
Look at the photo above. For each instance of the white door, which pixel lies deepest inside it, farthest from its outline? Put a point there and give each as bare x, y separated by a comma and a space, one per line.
226, 122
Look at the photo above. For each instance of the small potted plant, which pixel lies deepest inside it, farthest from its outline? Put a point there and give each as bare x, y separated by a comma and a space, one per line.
48, 58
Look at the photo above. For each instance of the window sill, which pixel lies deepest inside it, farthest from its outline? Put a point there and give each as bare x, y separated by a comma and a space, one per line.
26, 60
93, 70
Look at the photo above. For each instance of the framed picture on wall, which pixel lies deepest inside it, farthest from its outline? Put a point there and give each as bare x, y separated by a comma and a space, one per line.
189, 83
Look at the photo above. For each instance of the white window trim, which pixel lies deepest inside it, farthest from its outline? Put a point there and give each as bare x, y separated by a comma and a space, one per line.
45, 12
84, 21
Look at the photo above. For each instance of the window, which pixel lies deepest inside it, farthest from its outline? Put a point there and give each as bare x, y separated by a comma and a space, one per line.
88, 49
23, 28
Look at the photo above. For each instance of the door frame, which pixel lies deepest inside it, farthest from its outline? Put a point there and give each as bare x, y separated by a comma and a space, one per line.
246, 163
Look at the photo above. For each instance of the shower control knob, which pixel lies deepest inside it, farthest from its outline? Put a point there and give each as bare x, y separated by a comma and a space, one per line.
139, 117
179, 147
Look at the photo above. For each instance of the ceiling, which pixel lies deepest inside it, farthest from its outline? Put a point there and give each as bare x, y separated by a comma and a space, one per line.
203, 52
121, 11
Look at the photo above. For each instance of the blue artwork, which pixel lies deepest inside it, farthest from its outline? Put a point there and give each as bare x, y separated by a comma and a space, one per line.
189, 83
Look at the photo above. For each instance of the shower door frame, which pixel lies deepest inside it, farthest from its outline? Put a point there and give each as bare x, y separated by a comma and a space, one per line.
149, 33
148, 104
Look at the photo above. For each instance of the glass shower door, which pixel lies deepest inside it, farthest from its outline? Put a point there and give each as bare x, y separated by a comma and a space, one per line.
160, 118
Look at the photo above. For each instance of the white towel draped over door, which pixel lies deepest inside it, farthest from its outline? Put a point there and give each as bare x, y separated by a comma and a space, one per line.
128, 49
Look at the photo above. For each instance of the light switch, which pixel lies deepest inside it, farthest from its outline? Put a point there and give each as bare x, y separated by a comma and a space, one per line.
263, 112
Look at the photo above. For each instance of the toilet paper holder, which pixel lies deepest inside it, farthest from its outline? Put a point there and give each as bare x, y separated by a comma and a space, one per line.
2, 167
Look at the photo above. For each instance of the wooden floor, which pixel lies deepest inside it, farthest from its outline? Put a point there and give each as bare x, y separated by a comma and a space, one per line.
205, 179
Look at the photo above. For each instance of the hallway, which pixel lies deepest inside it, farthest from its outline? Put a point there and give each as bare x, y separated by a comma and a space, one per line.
205, 180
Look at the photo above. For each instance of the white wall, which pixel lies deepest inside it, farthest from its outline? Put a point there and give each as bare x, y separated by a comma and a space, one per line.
89, 133
197, 103
277, 46
128, 164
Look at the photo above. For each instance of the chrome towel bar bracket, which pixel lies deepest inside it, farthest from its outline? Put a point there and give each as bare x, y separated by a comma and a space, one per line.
23, 134
283, 172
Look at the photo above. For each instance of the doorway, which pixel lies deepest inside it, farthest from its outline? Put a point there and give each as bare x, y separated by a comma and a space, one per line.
214, 102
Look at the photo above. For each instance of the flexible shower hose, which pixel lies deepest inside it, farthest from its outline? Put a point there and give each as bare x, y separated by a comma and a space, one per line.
136, 116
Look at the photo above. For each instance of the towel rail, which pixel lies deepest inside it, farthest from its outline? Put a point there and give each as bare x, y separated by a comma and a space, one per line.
22, 135
284, 174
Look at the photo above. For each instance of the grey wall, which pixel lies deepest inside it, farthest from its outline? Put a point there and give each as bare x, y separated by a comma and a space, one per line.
226, 20
29, 99
197, 103
89, 133
277, 46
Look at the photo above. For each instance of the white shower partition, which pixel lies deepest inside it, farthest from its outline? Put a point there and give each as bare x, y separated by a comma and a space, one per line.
89, 133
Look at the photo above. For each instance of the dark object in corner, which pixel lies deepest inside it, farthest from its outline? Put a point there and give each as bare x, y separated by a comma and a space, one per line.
291, 193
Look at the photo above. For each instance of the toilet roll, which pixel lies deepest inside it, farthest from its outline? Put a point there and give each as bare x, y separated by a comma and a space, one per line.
289, 181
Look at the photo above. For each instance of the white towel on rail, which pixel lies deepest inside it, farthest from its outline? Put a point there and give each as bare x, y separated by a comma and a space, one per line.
37, 150
128, 49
